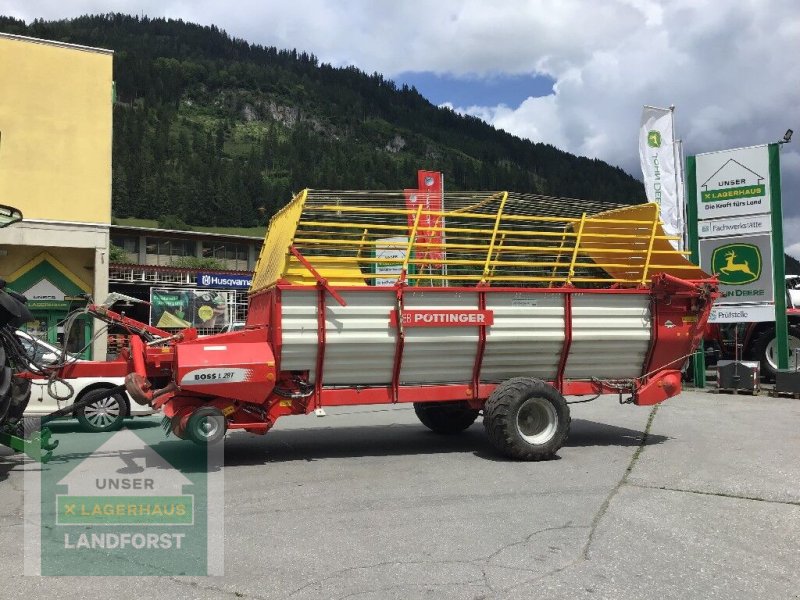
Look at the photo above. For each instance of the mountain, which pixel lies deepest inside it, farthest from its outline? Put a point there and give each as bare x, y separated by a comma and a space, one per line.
792, 265
213, 130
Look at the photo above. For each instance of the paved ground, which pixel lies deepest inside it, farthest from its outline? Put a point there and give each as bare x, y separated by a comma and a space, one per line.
699, 498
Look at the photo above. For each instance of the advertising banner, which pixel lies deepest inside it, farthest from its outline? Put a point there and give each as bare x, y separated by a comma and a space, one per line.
660, 168
178, 308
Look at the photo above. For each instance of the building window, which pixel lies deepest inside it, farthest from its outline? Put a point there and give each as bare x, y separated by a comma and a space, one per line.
230, 256
167, 251
129, 244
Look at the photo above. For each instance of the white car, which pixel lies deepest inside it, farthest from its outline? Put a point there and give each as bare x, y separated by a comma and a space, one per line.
106, 414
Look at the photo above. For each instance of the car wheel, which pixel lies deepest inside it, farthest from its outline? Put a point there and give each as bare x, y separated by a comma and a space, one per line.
104, 414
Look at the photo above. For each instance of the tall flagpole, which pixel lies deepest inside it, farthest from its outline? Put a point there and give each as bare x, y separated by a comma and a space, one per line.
679, 180
682, 160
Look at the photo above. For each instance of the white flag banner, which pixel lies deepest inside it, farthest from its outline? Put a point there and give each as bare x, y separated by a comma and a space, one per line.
662, 174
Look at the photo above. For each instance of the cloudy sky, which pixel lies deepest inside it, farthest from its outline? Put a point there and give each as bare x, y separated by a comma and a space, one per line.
570, 73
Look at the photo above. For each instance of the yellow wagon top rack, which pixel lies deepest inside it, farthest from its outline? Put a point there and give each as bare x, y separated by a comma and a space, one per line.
367, 238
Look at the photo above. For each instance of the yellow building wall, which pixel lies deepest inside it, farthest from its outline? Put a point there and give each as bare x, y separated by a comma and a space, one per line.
77, 262
55, 130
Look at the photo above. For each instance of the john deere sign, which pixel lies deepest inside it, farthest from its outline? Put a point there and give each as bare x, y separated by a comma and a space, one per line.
743, 266
736, 264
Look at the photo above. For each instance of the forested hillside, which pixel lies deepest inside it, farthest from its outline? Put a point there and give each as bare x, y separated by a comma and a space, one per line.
216, 131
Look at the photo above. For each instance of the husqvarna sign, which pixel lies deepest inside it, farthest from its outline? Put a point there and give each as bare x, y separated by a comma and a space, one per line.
225, 280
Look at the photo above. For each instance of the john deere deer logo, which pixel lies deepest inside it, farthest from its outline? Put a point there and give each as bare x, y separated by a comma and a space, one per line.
737, 264
654, 138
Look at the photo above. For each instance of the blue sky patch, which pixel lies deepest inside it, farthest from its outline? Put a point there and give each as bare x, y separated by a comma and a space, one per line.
464, 91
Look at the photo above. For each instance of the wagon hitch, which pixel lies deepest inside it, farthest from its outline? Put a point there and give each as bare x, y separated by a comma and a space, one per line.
39, 446
141, 390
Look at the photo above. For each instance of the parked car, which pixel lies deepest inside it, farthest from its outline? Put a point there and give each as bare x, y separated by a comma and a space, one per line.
106, 414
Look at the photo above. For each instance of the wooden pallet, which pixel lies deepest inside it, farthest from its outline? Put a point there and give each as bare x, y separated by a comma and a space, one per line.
737, 392
779, 394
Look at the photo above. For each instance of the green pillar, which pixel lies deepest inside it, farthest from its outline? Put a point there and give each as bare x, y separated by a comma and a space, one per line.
778, 259
699, 358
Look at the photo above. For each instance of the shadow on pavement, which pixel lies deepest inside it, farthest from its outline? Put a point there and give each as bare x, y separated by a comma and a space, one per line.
7, 462
287, 445
588, 433
72, 426
399, 440
343, 442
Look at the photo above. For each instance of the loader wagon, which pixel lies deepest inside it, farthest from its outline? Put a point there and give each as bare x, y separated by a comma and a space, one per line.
497, 304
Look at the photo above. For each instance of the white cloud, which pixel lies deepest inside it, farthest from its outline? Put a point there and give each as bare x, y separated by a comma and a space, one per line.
791, 236
730, 68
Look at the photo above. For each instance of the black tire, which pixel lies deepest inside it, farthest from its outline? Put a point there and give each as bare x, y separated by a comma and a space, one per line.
761, 345
105, 414
6, 378
20, 396
206, 426
526, 419
446, 417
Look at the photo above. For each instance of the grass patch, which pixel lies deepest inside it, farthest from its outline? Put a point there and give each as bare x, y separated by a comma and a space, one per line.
153, 224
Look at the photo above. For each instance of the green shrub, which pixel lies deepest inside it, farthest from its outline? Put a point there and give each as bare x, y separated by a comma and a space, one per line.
192, 262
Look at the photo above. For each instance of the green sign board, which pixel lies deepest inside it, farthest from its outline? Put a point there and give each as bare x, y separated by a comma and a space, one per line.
736, 233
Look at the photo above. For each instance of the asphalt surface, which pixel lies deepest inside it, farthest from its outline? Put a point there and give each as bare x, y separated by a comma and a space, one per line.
698, 498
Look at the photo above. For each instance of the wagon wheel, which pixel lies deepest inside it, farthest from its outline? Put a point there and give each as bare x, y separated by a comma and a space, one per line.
527, 419
445, 417
206, 426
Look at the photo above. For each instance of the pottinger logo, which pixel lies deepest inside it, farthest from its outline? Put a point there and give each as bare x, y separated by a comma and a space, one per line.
443, 318
428, 181
736, 264
654, 139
